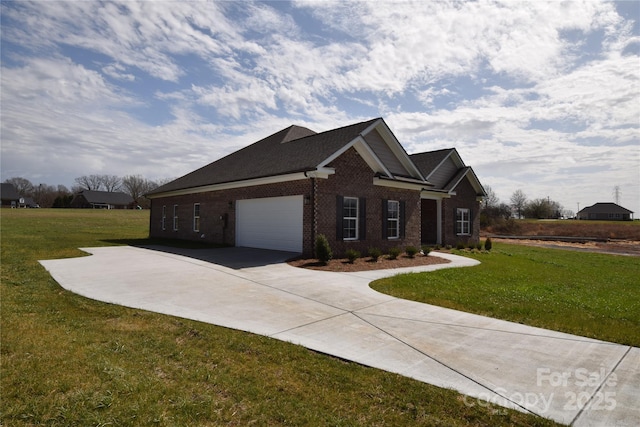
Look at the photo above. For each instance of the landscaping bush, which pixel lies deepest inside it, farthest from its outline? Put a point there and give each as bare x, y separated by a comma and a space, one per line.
425, 250
487, 244
323, 250
375, 253
460, 246
394, 253
411, 251
352, 255
479, 246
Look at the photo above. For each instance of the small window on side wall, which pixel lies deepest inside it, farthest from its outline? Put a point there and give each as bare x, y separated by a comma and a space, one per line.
196, 217
175, 217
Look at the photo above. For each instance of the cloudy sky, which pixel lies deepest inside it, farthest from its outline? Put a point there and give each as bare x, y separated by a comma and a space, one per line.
539, 96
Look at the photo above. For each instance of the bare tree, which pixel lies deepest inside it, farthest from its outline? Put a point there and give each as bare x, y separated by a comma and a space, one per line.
89, 182
491, 199
134, 185
23, 186
111, 183
518, 201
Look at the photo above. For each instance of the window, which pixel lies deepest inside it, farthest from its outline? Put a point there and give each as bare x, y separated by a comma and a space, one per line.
164, 217
196, 217
463, 221
175, 217
350, 218
393, 219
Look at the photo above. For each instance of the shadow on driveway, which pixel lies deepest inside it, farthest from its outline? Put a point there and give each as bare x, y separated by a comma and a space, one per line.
227, 256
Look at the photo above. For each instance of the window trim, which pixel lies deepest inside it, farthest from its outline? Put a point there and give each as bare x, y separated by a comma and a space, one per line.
196, 217
390, 219
163, 221
461, 221
350, 218
175, 217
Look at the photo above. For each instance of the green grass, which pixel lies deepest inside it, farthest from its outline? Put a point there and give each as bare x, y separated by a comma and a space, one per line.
587, 294
67, 360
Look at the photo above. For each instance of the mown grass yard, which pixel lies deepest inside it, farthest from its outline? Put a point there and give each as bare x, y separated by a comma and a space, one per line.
69, 361
587, 294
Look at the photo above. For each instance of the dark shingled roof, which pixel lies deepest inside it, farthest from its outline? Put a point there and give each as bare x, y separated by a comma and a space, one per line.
294, 149
606, 208
107, 197
8, 192
427, 162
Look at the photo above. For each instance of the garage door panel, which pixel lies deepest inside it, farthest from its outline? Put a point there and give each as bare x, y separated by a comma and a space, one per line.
270, 223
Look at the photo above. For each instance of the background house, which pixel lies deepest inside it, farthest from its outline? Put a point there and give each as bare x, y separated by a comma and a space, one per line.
355, 184
102, 200
606, 211
9, 195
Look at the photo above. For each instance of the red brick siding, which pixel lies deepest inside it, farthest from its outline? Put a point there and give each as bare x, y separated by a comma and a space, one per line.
354, 178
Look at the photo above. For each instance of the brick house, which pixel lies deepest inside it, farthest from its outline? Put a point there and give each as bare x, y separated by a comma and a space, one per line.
355, 184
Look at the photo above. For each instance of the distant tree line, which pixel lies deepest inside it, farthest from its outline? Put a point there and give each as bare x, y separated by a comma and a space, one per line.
495, 213
49, 196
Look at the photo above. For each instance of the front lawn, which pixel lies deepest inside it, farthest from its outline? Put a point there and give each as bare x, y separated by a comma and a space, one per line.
588, 294
70, 361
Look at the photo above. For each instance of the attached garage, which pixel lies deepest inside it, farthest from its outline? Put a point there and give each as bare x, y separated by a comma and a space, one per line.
270, 223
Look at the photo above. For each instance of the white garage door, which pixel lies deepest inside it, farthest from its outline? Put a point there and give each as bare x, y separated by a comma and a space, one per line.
270, 223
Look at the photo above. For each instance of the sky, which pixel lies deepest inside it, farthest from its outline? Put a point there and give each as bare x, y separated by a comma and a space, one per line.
538, 96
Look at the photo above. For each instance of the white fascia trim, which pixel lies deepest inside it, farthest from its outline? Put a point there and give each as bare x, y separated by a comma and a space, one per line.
398, 184
365, 152
246, 183
434, 195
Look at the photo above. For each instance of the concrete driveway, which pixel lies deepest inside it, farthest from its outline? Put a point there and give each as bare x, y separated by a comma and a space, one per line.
567, 378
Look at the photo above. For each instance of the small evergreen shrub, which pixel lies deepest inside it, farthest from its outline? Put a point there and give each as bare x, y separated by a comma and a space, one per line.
323, 250
425, 250
352, 255
487, 244
394, 253
460, 246
479, 246
411, 251
375, 253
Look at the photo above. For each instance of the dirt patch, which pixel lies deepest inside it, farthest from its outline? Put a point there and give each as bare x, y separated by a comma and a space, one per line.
620, 247
366, 264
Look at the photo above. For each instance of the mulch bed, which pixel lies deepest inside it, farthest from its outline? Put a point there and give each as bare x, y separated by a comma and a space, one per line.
365, 264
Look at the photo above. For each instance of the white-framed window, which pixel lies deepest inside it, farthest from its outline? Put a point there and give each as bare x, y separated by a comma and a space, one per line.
196, 217
164, 217
350, 218
175, 217
463, 221
393, 219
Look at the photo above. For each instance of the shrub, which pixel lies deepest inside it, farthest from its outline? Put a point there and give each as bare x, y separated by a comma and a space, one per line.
374, 253
411, 251
460, 246
323, 250
479, 246
352, 255
394, 253
425, 250
487, 244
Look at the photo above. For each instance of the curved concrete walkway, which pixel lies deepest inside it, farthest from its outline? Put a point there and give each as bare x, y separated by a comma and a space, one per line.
570, 379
